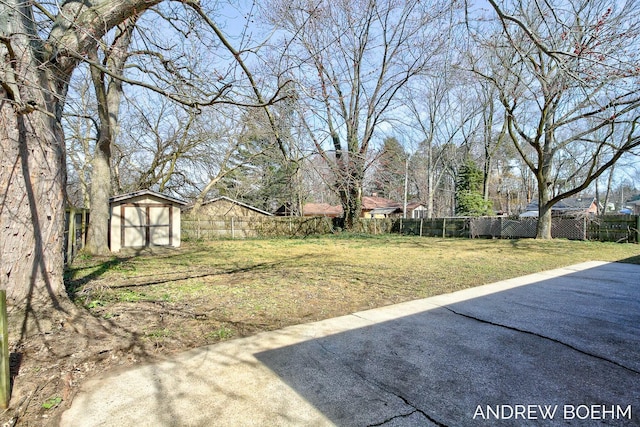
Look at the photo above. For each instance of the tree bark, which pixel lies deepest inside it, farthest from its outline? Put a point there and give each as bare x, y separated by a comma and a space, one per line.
543, 228
32, 176
109, 94
351, 199
34, 75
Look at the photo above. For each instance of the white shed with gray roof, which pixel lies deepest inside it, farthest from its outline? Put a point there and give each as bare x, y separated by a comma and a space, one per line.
143, 219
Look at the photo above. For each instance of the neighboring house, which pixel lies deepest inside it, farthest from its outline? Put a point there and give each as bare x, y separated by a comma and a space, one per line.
416, 210
379, 207
225, 206
144, 218
573, 206
635, 205
632, 206
372, 207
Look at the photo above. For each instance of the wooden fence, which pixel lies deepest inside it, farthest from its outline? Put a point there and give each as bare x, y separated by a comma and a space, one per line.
218, 227
615, 228
435, 227
75, 232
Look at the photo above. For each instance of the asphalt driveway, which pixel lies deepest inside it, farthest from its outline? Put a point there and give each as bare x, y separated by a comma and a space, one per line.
555, 348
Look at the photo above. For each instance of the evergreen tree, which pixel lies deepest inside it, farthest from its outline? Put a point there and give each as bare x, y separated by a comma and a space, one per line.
390, 171
469, 198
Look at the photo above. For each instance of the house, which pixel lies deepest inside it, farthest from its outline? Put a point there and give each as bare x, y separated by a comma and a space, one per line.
142, 219
635, 205
416, 210
379, 207
573, 206
372, 207
225, 206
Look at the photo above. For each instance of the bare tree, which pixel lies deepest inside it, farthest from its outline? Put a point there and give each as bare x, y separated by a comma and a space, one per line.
108, 92
350, 59
80, 127
40, 47
567, 76
440, 116
41, 44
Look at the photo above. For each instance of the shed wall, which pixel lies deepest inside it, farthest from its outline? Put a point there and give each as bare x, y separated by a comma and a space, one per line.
144, 221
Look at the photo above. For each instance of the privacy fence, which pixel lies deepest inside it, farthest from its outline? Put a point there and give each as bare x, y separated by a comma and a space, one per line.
610, 228
212, 227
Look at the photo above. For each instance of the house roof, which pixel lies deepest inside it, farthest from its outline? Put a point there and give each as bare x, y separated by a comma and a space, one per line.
414, 205
369, 203
321, 209
141, 193
569, 204
236, 202
373, 202
385, 211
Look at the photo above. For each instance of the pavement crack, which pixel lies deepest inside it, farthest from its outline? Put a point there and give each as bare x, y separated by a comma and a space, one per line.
555, 340
415, 410
384, 389
388, 420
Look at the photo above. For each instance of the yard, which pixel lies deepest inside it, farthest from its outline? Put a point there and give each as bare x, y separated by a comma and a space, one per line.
138, 307
223, 289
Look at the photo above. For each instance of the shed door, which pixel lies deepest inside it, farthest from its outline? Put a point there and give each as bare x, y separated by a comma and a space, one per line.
146, 225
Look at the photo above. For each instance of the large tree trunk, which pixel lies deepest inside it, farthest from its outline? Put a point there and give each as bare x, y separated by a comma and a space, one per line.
109, 94
351, 198
34, 75
98, 230
543, 229
350, 190
32, 173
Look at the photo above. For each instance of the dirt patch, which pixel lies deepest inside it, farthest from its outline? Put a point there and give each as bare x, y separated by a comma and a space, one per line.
49, 367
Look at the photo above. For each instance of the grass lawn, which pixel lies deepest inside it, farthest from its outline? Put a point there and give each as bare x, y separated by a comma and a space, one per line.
206, 292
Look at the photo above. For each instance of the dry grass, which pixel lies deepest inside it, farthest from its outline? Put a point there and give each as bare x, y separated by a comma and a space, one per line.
139, 307
205, 292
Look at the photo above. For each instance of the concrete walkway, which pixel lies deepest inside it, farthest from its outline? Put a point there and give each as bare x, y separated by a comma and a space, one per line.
555, 348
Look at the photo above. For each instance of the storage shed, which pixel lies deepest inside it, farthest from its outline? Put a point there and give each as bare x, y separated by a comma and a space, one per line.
144, 218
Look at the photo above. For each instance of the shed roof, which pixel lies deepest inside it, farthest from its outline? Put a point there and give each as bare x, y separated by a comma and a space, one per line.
236, 202
140, 193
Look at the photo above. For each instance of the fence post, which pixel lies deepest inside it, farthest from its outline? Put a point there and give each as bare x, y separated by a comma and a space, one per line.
233, 229
85, 224
71, 234
5, 368
444, 227
421, 219
638, 229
